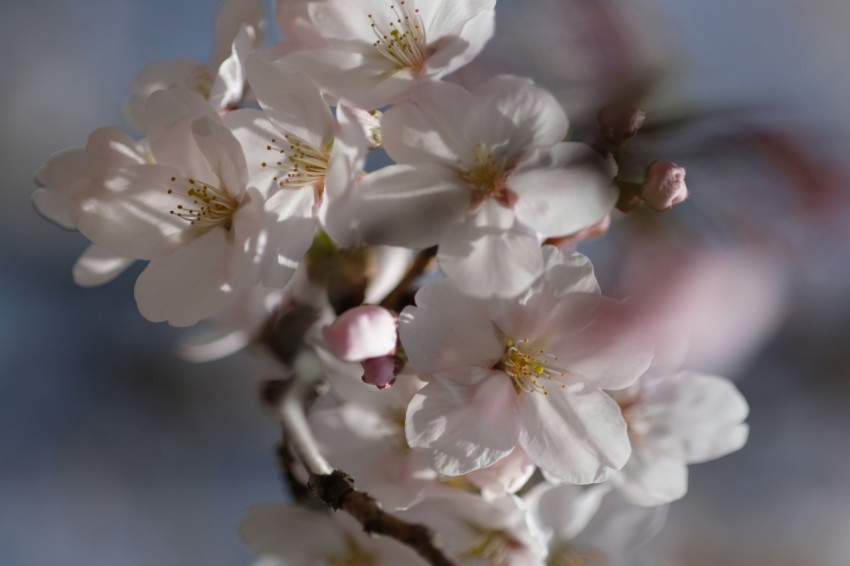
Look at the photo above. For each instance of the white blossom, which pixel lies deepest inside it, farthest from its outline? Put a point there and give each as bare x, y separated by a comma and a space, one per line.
380, 49
484, 175
528, 371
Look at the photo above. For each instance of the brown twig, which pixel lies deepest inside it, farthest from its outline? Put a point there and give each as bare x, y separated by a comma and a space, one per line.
332, 486
395, 301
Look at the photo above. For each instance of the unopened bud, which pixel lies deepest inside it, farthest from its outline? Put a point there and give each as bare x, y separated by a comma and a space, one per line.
381, 371
664, 185
361, 333
620, 123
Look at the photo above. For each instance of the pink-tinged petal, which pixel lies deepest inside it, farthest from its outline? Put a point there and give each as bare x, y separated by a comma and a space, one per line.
408, 206
163, 75
132, 215
595, 340
456, 50
98, 266
651, 478
464, 427
255, 133
271, 237
364, 332
294, 534
54, 206
576, 435
342, 19
431, 130
187, 285
63, 169
292, 101
448, 330
232, 19
566, 197
382, 371
530, 117
223, 155
489, 255
353, 71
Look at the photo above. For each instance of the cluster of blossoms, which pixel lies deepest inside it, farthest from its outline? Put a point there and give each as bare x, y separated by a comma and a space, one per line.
514, 409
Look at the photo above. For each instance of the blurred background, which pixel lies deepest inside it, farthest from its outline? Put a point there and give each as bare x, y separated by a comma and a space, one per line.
112, 451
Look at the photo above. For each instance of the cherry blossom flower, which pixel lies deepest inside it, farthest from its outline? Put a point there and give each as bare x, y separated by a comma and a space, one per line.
286, 534
591, 526
71, 176
474, 530
238, 31
528, 371
676, 419
484, 175
380, 49
193, 216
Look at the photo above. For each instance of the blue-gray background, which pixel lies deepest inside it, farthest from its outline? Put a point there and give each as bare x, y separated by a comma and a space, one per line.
113, 452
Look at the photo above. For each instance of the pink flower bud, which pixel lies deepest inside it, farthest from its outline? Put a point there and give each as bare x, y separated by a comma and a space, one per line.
361, 333
382, 371
664, 185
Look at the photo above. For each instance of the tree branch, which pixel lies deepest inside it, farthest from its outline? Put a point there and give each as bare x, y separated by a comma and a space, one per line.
399, 296
334, 487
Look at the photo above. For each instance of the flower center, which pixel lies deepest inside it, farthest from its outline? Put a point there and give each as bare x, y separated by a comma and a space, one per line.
566, 555
528, 367
492, 547
208, 205
202, 80
488, 178
401, 38
302, 163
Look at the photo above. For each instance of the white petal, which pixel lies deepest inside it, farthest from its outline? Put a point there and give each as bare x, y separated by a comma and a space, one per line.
408, 206
229, 86
255, 133
292, 101
187, 285
223, 155
486, 259
98, 266
529, 117
564, 198
563, 511
508, 475
54, 206
464, 427
431, 129
578, 436
458, 49
232, 19
651, 478
448, 330
163, 75
208, 345
293, 534
592, 337
447, 17
619, 528
271, 237
131, 217
355, 72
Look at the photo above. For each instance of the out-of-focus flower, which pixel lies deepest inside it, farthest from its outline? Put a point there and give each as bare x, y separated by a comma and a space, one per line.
474, 530
528, 371
676, 419
591, 526
664, 186
378, 50
296, 536
364, 332
239, 29
482, 174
